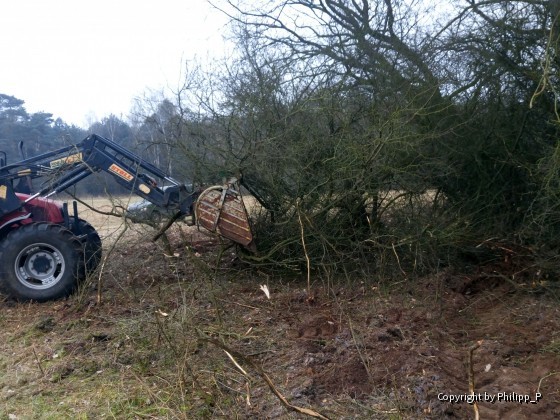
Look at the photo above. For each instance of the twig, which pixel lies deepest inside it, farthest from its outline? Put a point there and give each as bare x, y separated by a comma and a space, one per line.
543, 378
166, 226
104, 213
362, 358
38, 361
231, 352
237, 365
307, 260
105, 258
240, 304
398, 260
471, 376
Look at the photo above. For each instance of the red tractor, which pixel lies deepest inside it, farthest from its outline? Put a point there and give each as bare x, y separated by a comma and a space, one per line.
45, 251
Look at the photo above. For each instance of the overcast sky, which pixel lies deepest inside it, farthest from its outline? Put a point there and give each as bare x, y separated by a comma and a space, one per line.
83, 60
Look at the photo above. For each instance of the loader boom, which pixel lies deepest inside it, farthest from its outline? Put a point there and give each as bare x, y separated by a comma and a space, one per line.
65, 167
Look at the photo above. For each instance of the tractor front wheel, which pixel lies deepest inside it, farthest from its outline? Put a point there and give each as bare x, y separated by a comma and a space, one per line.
40, 261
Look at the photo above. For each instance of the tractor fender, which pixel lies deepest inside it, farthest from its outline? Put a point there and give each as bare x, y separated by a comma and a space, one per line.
7, 222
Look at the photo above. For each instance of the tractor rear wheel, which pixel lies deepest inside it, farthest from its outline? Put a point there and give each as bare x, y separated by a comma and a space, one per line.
40, 261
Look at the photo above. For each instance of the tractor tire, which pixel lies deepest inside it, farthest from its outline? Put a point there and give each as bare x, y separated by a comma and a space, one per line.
92, 246
156, 217
40, 261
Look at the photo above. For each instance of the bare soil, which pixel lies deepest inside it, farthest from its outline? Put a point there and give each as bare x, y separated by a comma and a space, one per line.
181, 336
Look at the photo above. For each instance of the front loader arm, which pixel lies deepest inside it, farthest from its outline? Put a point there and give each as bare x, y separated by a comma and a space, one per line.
65, 167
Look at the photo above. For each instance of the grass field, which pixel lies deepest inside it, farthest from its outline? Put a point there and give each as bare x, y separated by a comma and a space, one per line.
106, 224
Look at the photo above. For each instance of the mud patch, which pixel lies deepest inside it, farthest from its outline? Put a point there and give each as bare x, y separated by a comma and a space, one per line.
412, 348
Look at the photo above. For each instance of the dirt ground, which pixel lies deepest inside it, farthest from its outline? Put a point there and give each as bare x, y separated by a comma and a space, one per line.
158, 336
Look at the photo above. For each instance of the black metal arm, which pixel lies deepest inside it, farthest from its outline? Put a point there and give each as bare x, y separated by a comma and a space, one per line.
69, 165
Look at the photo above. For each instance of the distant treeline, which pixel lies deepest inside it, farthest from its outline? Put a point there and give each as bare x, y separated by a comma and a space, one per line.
41, 133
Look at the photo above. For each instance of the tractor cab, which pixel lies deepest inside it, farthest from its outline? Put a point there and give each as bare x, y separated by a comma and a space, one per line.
9, 202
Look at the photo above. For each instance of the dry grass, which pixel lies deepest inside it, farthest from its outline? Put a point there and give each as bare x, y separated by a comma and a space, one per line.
107, 225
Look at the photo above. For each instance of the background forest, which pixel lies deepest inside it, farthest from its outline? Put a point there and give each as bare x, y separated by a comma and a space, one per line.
392, 136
